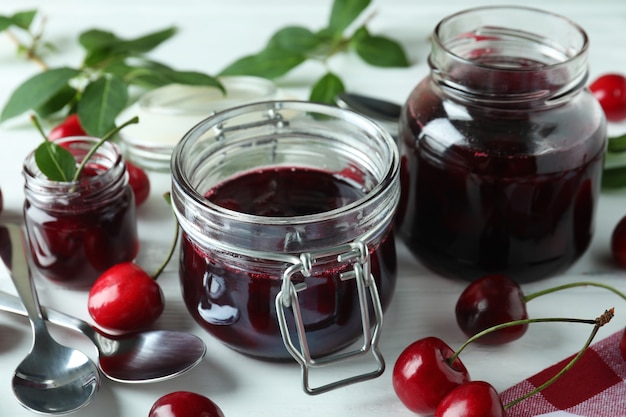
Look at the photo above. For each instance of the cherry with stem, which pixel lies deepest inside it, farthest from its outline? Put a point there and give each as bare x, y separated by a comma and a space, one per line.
597, 323
125, 298
496, 299
428, 370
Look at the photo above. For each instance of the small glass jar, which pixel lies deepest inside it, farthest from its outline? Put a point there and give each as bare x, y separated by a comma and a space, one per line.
167, 113
79, 229
287, 249
502, 147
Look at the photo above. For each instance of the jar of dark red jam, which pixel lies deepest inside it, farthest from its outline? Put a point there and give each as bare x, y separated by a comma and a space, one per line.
501, 147
286, 209
79, 229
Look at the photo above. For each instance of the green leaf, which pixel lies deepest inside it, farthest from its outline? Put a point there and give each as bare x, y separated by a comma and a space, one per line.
617, 144
269, 63
55, 162
98, 45
101, 102
614, 178
379, 51
294, 38
97, 39
36, 91
144, 43
326, 89
62, 98
5, 23
24, 19
154, 74
343, 13
103, 46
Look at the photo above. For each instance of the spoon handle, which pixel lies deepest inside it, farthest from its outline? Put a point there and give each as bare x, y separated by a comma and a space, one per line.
20, 274
12, 304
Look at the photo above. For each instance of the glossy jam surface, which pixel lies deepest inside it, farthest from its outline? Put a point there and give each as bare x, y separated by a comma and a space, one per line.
234, 298
508, 190
75, 245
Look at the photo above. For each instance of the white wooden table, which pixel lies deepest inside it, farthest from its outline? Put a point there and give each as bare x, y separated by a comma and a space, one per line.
212, 33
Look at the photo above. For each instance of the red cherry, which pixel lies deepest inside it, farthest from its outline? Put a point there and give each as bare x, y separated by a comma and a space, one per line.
139, 182
68, 127
185, 404
125, 298
618, 242
422, 376
472, 399
489, 301
610, 90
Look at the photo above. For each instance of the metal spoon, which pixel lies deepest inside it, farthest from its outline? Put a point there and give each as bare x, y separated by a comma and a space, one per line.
384, 112
52, 379
150, 356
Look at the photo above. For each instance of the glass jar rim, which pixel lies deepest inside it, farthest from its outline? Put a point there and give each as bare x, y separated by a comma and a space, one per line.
114, 172
218, 119
439, 42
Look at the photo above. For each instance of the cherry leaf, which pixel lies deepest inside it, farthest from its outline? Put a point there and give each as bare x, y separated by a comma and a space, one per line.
5, 23
96, 39
294, 38
55, 162
36, 91
326, 89
103, 46
614, 177
102, 101
64, 97
379, 51
153, 74
22, 20
269, 63
343, 13
617, 144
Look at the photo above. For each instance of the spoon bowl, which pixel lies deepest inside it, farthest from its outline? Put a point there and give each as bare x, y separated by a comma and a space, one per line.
149, 356
52, 378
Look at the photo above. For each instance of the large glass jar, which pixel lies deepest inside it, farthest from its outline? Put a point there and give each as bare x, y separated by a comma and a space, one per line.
78, 229
287, 249
501, 147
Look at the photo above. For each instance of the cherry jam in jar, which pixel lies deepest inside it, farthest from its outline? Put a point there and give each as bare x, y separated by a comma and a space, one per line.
78, 229
286, 210
501, 147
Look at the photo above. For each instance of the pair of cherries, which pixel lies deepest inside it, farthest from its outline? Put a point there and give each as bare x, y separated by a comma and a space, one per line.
428, 376
428, 379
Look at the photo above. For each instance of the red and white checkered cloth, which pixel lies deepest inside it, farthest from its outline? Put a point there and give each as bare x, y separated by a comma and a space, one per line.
594, 387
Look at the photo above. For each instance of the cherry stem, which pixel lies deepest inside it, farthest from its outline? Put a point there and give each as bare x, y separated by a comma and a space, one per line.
35, 121
599, 322
573, 285
168, 197
31, 52
94, 148
513, 323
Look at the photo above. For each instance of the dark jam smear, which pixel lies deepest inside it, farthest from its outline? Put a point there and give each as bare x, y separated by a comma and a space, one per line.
236, 303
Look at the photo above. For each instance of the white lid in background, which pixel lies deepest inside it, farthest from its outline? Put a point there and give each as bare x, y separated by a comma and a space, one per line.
167, 113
